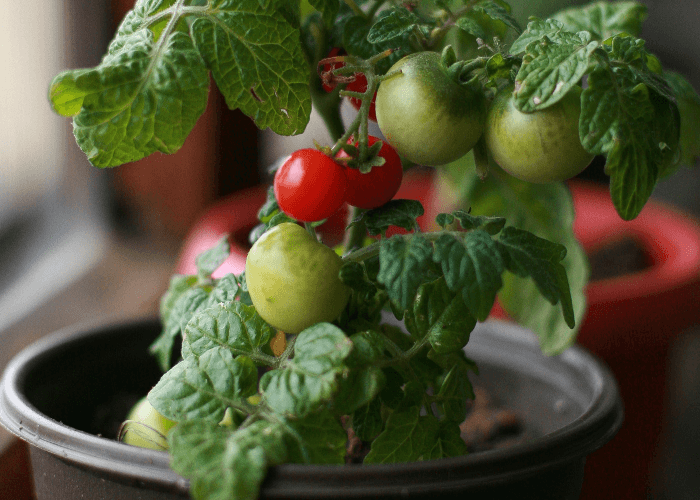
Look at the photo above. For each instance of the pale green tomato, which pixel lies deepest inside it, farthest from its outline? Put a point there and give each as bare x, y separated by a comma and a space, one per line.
145, 427
538, 147
293, 279
427, 116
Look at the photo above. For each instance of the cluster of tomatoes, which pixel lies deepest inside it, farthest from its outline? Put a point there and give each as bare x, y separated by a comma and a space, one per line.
432, 119
310, 186
428, 117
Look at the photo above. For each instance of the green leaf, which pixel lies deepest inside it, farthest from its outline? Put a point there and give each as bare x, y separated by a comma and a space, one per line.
399, 213
320, 438
256, 59
442, 315
550, 70
364, 380
222, 464
367, 420
395, 23
355, 31
179, 284
234, 326
536, 30
499, 13
209, 261
472, 265
402, 267
204, 387
604, 19
131, 105
491, 225
407, 437
182, 308
527, 255
449, 442
619, 119
469, 24
544, 209
689, 107
454, 392
310, 379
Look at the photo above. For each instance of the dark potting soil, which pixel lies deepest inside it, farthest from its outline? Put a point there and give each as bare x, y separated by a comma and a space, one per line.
625, 256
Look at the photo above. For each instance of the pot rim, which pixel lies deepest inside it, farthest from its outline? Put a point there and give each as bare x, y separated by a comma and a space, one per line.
588, 432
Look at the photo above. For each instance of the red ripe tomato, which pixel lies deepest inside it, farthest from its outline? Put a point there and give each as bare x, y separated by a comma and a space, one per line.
379, 185
310, 186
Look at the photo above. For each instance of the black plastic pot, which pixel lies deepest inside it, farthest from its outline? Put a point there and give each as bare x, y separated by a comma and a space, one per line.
59, 392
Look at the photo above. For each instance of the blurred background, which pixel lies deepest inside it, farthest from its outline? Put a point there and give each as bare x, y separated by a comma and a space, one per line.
81, 244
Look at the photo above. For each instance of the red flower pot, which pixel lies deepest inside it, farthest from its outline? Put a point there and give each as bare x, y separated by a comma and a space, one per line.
630, 322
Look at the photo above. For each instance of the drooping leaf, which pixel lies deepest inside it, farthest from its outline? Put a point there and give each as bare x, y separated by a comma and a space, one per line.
152, 85
256, 59
399, 213
407, 437
544, 209
473, 266
402, 267
449, 442
527, 255
689, 107
454, 392
624, 116
442, 315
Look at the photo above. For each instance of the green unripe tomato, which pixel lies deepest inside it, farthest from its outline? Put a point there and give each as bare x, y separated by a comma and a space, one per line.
538, 147
145, 427
427, 116
293, 279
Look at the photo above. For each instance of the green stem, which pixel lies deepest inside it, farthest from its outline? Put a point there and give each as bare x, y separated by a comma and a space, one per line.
355, 236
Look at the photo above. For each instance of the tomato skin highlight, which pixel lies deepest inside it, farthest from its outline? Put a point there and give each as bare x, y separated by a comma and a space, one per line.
428, 117
293, 279
538, 147
379, 185
310, 186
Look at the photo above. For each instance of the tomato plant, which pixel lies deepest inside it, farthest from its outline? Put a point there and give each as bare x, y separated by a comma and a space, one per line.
310, 186
293, 279
428, 70
542, 146
374, 188
426, 114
